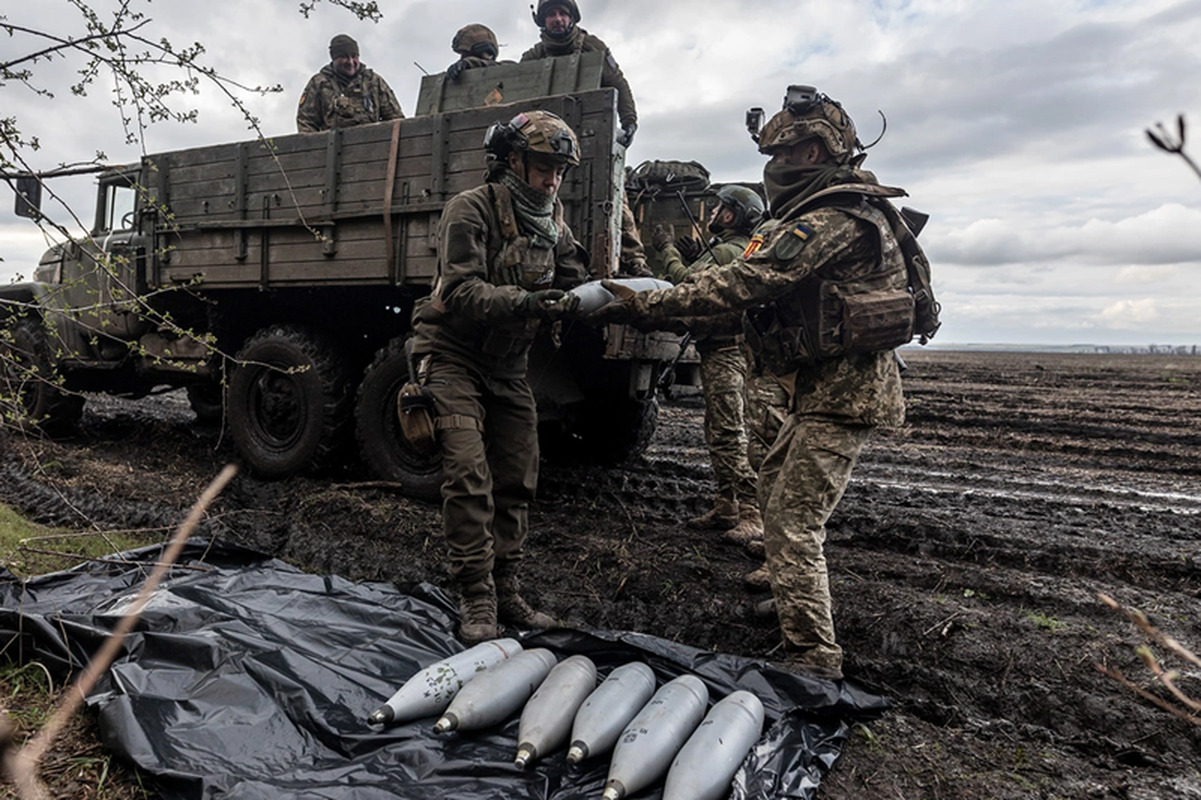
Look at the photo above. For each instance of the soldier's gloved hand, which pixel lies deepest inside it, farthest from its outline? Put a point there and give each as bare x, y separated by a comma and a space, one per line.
455, 70
620, 311
548, 304
627, 134
690, 249
661, 238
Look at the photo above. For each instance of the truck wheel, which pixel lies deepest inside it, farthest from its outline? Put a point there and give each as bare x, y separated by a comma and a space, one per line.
289, 399
382, 446
30, 385
609, 432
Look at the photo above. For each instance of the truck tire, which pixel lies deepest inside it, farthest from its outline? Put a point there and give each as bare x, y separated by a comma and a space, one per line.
288, 401
382, 446
609, 432
31, 384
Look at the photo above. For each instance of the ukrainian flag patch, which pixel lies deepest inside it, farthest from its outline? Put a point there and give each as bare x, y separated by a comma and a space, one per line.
790, 245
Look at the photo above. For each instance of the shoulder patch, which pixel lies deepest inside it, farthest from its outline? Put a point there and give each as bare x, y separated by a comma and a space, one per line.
303, 96
791, 243
609, 58
754, 245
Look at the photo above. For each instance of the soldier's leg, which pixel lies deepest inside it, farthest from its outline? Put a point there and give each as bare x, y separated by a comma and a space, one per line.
766, 410
723, 374
466, 496
633, 254
802, 480
513, 458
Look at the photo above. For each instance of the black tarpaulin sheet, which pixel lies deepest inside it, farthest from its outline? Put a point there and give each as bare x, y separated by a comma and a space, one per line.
247, 678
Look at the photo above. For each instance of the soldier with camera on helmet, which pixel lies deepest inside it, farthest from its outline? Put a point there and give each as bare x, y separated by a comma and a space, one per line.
505, 259
718, 340
563, 36
825, 295
477, 48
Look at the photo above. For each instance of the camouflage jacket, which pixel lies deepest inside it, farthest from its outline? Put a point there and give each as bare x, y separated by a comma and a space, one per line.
797, 256
485, 269
581, 41
330, 101
719, 330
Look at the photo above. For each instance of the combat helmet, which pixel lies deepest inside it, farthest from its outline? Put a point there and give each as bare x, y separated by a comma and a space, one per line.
747, 205
546, 5
475, 40
534, 132
808, 114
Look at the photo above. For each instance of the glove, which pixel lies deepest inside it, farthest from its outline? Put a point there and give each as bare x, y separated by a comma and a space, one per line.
455, 70
690, 249
548, 304
661, 237
635, 269
627, 134
620, 311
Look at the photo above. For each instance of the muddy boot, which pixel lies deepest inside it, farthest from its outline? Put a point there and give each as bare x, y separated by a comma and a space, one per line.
477, 612
765, 609
512, 609
749, 528
755, 549
759, 580
722, 517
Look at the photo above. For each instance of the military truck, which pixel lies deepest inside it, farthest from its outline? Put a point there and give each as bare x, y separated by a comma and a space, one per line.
274, 279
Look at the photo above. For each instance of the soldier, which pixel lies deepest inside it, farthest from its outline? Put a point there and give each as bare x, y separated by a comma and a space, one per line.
723, 367
562, 36
505, 255
477, 47
833, 256
345, 92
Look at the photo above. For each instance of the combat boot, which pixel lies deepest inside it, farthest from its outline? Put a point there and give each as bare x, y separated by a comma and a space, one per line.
722, 517
749, 528
477, 612
759, 580
512, 609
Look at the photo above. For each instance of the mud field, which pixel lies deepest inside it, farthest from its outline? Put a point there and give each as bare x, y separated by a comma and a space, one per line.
965, 558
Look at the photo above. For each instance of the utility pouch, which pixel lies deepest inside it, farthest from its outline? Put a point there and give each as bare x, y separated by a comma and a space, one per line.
870, 321
415, 410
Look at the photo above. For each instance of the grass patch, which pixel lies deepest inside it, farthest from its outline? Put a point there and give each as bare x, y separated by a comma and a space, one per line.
28, 549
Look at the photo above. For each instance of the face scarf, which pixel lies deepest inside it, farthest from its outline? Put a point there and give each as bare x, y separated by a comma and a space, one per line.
534, 210
561, 46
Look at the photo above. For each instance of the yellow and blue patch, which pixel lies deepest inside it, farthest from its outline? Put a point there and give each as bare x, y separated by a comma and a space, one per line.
791, 243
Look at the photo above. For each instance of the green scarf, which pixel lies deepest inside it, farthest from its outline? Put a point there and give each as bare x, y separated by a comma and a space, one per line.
534, 210
564, 46
789, 186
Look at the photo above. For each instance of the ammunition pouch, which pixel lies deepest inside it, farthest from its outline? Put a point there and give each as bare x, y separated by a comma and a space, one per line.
415, 410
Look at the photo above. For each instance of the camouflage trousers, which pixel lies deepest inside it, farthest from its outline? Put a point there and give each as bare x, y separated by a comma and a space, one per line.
800, 483
723, 373
488, 432
766, 409
632, 252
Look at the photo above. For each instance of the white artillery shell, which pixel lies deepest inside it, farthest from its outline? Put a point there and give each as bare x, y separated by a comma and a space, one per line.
707, 762
547, 717
609, 709
593, 296
430, 691
498, 693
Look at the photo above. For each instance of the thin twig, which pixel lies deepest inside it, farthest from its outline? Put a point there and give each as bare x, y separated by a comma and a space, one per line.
25, 764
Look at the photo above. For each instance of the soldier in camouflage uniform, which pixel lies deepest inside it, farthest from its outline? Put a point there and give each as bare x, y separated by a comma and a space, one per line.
562, 36
477, 47
505, 257
834, 252
723, 367
345, 92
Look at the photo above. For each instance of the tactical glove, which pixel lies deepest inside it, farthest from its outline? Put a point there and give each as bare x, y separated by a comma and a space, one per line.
620, 311
627, 134
690, 249
661, 237
455, 70
548, 304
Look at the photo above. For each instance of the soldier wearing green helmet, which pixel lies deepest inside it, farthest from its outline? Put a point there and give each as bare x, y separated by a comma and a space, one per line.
477, 47
825, 297
505, 259
718, 340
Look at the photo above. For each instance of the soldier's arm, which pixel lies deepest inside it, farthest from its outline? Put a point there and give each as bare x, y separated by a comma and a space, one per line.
531, 55
309, 115
463, 254
611, 75
674, 268
765, 276
389, 106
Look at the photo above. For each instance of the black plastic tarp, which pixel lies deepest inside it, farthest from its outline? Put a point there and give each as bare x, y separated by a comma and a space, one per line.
248, 678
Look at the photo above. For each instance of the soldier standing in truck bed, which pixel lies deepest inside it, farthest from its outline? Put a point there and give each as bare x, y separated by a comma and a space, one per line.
477, 47
505, 257
826, 299
345, 92
563, 36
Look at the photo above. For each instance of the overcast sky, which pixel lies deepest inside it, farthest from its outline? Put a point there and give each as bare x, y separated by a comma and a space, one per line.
1017, 125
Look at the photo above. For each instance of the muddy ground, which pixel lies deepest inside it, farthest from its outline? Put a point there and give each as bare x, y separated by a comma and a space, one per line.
965, 558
